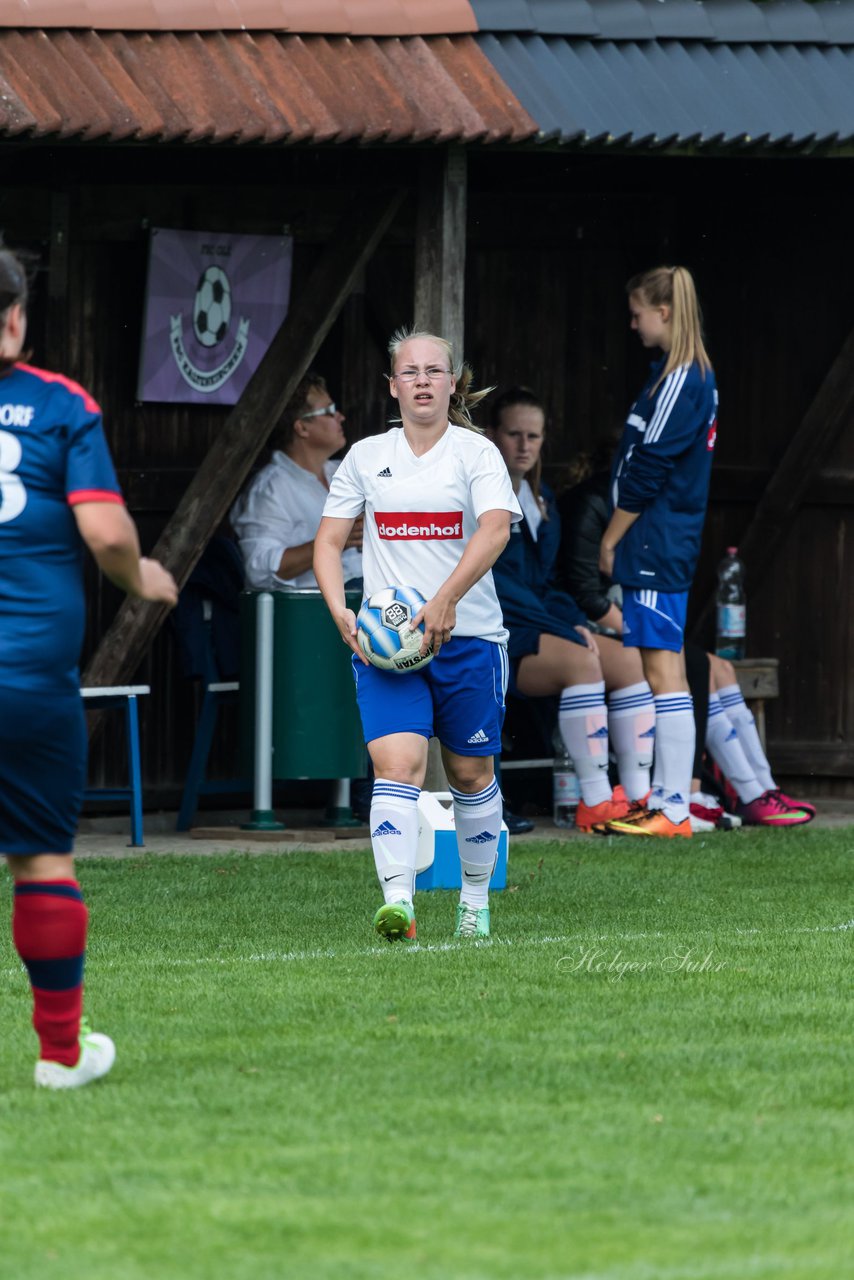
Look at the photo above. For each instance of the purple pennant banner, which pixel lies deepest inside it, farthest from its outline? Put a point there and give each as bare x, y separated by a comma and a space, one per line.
212, 305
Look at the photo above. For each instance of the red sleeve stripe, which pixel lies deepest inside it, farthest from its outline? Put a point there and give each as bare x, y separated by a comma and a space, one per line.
94, 495
73, 387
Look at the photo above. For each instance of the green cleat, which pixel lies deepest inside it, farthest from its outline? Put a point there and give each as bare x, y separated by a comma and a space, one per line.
472, 922
395, 921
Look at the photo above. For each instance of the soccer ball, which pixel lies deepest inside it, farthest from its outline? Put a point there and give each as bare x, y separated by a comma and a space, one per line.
385, 632
212, 307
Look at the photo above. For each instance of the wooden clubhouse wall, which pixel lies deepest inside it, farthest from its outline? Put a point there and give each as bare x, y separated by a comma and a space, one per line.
552, 239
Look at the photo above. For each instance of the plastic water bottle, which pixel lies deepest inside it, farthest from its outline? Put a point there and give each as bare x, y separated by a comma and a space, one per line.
731, 607
565, 789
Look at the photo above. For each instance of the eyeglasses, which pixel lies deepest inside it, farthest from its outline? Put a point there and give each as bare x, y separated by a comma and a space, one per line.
328, 411
434, 373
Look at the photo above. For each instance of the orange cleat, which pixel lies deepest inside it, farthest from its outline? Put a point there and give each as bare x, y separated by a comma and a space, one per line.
653, 822
590, 817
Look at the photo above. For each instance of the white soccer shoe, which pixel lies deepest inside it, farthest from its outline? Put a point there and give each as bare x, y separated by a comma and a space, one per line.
699, 825
97, 1055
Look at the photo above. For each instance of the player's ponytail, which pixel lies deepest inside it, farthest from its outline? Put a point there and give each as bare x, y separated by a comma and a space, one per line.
673, 287
463, 399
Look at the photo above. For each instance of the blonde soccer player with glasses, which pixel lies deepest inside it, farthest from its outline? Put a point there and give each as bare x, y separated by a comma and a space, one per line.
437, 504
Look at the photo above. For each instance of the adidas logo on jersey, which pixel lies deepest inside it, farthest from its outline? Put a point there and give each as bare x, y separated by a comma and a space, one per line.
385, 474
599, 733
385, 829
480, 736
483, 838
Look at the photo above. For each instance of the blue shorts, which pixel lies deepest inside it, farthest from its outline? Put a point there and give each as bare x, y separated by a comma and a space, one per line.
458, 697
43, 749
654, 619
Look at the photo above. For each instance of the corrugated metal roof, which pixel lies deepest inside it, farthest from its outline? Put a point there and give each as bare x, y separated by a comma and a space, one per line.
242, 88
626, 78
307, 17
726, 21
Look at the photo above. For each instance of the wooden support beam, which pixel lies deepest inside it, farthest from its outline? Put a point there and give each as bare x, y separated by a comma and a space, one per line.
218, 480
440, 246
440, 270
832, 408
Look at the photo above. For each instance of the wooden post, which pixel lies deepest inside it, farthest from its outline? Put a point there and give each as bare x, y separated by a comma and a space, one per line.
440, 268
440, 246
229, 460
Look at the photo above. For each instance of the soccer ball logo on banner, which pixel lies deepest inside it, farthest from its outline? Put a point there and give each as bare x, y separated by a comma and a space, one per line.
212, 307
385, 632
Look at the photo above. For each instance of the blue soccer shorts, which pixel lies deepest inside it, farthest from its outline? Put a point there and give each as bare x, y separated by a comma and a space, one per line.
457, 698
654, 619
43, 750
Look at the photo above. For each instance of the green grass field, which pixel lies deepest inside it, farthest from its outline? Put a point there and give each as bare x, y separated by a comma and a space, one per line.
644, 1075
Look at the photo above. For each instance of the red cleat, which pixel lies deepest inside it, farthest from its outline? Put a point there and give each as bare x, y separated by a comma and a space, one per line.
588, 818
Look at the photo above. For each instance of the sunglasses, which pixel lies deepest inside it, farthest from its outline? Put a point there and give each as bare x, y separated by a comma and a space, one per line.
328, 411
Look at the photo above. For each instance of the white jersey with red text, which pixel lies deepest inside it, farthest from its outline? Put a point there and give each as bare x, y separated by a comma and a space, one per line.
420, 513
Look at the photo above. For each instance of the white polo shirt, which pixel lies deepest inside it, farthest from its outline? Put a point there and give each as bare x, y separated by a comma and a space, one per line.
282, 508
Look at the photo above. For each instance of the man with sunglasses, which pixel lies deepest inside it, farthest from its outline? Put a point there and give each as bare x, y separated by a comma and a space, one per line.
278, 514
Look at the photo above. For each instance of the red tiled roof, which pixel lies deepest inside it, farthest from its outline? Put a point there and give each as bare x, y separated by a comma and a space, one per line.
307, 17
217, 86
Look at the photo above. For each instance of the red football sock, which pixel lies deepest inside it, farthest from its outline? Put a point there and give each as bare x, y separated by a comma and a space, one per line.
49, 921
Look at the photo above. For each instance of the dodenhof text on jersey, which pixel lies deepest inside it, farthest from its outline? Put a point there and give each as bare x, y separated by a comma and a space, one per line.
413, 525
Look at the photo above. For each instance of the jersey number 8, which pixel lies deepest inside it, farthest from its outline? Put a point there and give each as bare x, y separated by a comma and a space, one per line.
13, 495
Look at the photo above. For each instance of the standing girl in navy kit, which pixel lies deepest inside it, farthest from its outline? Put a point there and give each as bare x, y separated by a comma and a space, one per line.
659, 492
58, 495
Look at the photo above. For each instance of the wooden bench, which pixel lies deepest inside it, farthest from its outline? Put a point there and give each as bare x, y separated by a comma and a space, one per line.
758, 679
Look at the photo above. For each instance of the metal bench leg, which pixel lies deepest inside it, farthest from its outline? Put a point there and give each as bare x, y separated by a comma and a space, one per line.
198, 761
134, 766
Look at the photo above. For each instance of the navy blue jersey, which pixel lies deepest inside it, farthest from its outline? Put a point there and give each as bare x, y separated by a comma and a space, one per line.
52, 455
531, 604
662, 470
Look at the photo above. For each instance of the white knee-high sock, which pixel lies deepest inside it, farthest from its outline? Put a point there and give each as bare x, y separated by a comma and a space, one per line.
675, 735
477, 819
732, 701
583, 722
394, 837
631, 724
724, 742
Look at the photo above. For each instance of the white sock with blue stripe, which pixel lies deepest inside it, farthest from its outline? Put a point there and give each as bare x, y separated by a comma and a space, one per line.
732, 701
477, 818
675, 738
724, 742
583, 722
394, 837
631, 725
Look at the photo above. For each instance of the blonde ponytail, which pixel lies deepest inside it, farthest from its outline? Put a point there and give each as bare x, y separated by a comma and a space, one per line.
673, 287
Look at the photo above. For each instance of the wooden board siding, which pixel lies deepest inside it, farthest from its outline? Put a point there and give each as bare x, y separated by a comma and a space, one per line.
551, 241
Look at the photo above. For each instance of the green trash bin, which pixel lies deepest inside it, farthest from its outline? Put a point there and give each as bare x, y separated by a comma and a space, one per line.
317, 731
